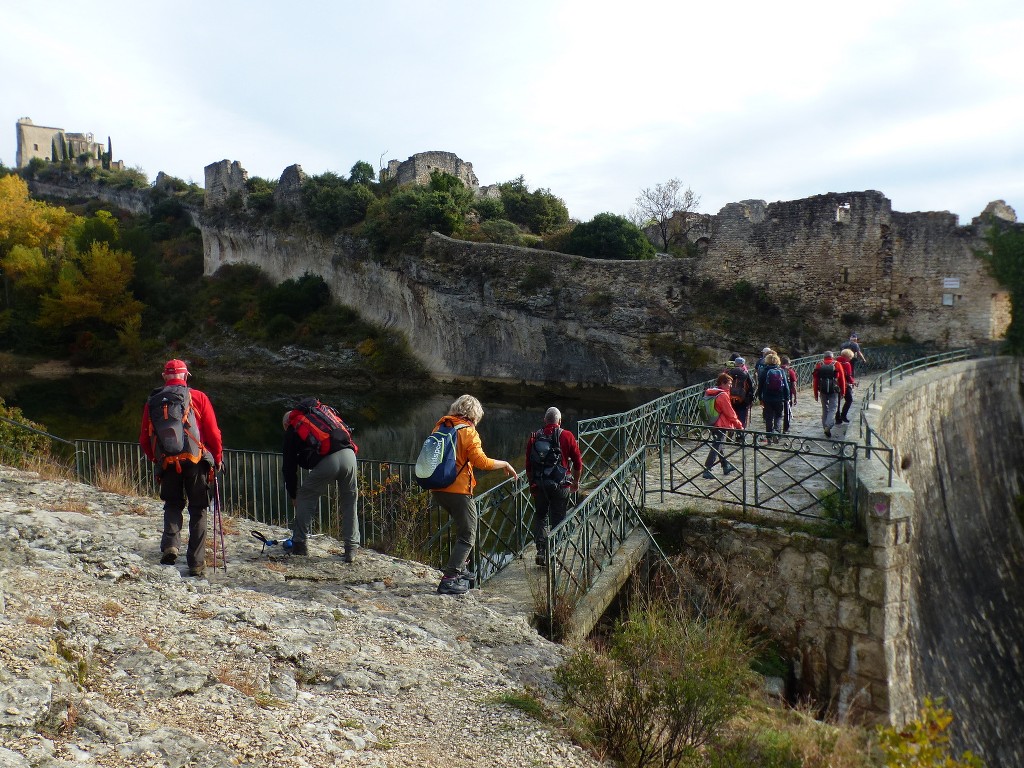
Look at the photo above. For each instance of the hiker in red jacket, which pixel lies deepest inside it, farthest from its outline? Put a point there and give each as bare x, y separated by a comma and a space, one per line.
184, 469
829, 384
727, 419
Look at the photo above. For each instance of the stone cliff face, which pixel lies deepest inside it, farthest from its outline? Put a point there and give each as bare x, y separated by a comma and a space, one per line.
489, 311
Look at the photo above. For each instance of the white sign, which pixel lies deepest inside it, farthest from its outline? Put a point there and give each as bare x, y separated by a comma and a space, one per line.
947, 299
951, 282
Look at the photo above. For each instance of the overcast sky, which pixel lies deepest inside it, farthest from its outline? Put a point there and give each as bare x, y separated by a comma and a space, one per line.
920, 99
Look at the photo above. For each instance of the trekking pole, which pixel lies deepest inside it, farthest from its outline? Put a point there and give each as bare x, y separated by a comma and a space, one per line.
218, 524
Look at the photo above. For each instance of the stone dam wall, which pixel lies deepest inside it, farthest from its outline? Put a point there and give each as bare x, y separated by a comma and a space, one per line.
480, 310
958, 433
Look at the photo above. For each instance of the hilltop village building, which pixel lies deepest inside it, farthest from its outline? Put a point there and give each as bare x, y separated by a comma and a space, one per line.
55, 145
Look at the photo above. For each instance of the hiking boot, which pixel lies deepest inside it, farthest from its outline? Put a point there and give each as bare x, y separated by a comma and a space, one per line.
707, 475
197, 570
348, 556
168, 556
453, 585
828, 432
727, 469
541, 559
468, 576
293, 547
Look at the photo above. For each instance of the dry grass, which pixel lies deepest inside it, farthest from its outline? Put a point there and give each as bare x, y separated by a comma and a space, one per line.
111, 608
48, 467
230, 677
277, 567
133, 508
70, 505
118, 479
39, 621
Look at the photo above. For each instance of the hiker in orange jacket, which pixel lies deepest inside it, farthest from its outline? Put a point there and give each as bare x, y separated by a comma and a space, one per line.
457, 499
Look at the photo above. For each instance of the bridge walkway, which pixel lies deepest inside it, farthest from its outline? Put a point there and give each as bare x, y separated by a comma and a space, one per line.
816, 475
798, 472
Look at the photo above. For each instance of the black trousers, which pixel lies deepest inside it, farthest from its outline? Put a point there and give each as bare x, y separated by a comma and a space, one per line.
550, 508
189, 487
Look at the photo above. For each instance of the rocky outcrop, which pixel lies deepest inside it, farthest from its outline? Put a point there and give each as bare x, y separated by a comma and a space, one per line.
224, 179
490, 311
108, 658
137, 201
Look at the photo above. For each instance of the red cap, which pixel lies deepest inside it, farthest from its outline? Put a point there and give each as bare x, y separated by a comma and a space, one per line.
175, 368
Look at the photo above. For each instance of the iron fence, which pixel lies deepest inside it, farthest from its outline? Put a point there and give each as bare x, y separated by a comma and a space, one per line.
783, 474
606, 441
586, 542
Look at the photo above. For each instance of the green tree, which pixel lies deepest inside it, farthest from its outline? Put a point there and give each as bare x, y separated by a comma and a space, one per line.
608, 236
539, 211
1006, 263
362, 173
332, 202
261, 194
100, 228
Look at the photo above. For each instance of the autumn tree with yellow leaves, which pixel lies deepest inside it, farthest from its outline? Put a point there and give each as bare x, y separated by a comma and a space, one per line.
63, 281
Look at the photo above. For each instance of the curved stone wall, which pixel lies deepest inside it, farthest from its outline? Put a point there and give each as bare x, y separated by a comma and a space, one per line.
958, 432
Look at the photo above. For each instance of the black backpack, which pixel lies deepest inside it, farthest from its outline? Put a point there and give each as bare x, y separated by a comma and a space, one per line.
739, 390
827, 379
546, 470
173, 429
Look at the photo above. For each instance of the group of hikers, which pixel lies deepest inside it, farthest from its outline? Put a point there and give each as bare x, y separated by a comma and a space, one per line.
180, 435
772, 382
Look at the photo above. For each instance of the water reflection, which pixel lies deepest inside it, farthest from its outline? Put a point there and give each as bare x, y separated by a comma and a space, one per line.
388, 426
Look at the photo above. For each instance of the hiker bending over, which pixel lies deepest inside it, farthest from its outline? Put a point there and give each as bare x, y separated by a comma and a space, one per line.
316, 438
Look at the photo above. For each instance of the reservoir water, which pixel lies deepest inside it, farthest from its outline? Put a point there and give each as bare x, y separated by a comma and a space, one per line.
387, 425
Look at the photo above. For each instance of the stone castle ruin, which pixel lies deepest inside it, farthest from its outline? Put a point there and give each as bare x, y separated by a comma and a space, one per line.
55, 145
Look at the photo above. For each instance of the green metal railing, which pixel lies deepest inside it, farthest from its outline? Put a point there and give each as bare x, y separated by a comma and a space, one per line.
587, 541
790, 475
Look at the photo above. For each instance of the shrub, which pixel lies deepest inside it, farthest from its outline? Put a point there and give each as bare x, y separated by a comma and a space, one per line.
261, 194
539, 211
608, 236
666, 687
488, 208
501, 231
924, 742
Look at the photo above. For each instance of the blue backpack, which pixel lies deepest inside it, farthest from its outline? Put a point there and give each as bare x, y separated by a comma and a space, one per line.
435, 465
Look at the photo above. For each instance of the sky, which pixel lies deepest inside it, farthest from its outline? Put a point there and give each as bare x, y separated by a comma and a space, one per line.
922, 100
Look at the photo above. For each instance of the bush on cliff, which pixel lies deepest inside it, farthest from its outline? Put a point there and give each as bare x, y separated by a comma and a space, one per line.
608, 236
404, 218
539, 211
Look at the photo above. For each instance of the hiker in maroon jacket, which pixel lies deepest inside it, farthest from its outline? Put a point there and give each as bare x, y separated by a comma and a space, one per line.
551, 489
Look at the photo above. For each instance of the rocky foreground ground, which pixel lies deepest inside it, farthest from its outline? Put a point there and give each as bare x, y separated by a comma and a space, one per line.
108, 658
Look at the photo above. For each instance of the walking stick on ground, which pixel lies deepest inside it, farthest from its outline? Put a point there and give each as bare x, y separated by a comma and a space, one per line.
218, 527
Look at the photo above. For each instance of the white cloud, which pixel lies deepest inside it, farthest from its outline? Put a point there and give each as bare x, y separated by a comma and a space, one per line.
595, 101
